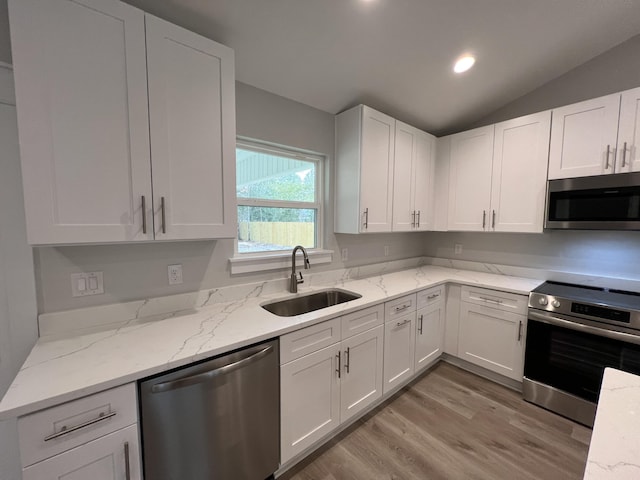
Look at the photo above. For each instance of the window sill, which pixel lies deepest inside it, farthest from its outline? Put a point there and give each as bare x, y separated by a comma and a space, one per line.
248, 263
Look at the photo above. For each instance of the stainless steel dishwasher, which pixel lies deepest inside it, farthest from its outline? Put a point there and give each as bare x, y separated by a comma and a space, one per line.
215, 420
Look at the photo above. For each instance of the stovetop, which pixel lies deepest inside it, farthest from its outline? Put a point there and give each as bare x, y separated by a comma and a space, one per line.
591, 295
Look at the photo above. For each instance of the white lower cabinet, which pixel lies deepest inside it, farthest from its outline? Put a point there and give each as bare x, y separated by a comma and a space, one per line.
309, 401
492, 338
399, 345
361, 377
113, 457
322, 389
429, 335
94, 437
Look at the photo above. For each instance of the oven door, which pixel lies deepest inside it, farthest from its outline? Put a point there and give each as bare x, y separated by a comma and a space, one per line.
565, 362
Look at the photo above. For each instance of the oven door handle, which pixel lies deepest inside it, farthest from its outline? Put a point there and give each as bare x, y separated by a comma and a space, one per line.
600, 332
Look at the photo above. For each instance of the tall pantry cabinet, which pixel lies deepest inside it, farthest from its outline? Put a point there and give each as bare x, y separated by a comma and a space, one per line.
102, 103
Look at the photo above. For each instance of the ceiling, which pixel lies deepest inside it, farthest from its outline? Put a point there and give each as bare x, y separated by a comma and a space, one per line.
397, 55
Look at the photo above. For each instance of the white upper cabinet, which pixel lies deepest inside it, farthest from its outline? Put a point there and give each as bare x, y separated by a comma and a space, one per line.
83, 115
81, 94
628, 158
519, 178
192, 124
470, 179
413, 178
365, 143
498, 176
584, 137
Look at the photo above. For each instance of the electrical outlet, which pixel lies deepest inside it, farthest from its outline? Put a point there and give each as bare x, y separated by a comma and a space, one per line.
85, 284
386, 250
344, 254
175, 274
457, 249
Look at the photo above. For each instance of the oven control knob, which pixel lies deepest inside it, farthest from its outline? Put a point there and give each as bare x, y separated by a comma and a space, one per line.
555, 303
543, 301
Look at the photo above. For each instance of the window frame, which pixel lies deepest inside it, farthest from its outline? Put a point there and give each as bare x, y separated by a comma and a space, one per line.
295, 154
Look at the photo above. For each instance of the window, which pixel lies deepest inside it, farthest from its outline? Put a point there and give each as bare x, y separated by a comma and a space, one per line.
279, 204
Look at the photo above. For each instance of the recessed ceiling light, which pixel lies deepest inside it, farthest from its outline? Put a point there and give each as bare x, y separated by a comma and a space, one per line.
464, 63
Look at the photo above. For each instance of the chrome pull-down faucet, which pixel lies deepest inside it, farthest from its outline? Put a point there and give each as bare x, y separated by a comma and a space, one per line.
293, 284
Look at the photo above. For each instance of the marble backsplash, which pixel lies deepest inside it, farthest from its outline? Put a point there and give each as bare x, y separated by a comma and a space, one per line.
87, 320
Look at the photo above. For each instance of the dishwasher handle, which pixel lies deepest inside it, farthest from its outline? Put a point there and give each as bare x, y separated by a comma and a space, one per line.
205, 376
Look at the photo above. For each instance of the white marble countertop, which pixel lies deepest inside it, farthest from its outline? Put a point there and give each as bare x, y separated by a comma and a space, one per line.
614, 452
60, 370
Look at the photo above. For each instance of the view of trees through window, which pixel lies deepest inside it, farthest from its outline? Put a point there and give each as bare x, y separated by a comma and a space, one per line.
277, 201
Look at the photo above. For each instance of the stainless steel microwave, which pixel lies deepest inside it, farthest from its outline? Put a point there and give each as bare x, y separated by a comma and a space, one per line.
603, 202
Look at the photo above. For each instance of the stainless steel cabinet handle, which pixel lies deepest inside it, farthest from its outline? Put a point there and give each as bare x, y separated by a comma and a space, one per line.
64, 430
399, 324
499, 302
339, 355
520, 331
162, 212
418, 218
347, 359
431, 297
606, 167
144, 215
203, 377
484, 218
127, 465
421, 318
624, 154
413, 219
493, 219
403, 307
366, 218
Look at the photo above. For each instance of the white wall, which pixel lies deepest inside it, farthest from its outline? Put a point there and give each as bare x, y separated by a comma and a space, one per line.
139, 271
612, 254
18, 322
5, 46
615, 70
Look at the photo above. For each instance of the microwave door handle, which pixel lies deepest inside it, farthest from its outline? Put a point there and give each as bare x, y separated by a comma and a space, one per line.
579, 327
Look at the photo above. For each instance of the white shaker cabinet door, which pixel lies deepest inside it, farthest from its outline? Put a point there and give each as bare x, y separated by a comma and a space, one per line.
376, 174
429, 334
584, 137
471, 158
113, 457
492, 339
309, 400
399, 345
628, 157
192, 124
81, 93
519, 181
362, 371
406, 138
423, 184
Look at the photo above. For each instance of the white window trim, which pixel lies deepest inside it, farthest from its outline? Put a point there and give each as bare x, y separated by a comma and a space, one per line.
281, 259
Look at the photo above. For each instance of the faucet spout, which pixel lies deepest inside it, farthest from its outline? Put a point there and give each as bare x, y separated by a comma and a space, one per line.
293, 284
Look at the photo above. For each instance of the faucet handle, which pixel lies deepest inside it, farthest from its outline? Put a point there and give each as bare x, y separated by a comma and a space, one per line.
300, 280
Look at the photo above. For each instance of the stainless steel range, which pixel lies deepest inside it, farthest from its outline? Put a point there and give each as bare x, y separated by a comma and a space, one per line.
573, 333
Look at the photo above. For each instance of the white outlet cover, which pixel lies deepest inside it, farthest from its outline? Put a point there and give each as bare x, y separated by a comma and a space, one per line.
174, 273
85, 284
344, 254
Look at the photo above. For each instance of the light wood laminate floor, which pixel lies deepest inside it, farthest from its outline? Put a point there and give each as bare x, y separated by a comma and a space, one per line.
451, 424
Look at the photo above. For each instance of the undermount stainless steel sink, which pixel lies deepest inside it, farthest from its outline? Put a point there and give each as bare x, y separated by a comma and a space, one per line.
291, 307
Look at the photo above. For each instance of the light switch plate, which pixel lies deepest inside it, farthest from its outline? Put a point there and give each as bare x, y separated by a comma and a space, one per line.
86, 283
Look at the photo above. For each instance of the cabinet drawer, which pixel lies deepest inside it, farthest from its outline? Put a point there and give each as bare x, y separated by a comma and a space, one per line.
362, 320
42, 433
399, 306
430, 296
508, 302
307, 340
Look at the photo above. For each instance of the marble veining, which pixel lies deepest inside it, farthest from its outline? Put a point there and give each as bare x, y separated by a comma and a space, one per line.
614, 452
62, 369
